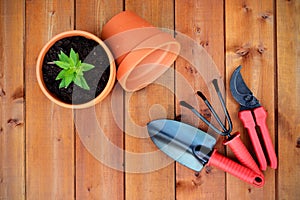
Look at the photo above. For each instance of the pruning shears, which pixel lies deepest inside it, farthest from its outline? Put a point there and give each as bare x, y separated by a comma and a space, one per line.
252, 114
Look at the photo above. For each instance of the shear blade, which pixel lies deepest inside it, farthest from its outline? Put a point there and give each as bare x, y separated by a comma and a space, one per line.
240, 92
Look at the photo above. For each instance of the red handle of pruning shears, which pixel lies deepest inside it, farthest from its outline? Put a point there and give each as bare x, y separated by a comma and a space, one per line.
241, 152
261, 116
236, 169
249, 123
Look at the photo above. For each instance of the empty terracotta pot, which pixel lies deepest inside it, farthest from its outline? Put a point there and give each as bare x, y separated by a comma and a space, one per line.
124, 32
142, 52
147, 62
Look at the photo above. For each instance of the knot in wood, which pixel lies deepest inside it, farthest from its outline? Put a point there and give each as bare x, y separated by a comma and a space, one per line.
18, 94
204, 43
197, 30
265, 16
52, 13
2, 92
246, 8
261, 49
14, 122
243, 51
208, 169
298, 143
206, 113
190, 69
197, 182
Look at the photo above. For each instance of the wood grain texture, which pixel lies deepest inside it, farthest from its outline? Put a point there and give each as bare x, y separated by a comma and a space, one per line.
203, 22
12, 125
288, 43
93, 15
99, 170
49, 128
95, 178
153, 102
41, 153
250, 43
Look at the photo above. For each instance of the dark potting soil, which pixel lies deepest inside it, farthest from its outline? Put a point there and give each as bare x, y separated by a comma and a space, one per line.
89, 52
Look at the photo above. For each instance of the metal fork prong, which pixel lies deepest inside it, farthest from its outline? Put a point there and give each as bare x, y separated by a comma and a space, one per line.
212, 110
191, 108
215, 83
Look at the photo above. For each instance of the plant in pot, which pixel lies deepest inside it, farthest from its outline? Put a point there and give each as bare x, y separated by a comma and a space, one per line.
75, 69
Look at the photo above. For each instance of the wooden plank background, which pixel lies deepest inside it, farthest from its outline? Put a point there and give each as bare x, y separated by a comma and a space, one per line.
288, 42
94, 180
42, 155
49, 128
12, 122
158, 184
195, 19
252, 46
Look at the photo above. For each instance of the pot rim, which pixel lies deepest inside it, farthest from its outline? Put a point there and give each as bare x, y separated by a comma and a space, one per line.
49, 44
124, 42
144, 50
116, 24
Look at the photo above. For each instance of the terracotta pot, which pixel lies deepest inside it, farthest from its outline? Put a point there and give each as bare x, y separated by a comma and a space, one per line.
124, 32
52, 97
142, 51
147, 62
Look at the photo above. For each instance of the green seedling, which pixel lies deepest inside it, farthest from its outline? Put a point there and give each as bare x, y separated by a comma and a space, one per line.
72, 71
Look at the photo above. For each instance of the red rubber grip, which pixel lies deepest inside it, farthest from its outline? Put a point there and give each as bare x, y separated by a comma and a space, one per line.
261, 116
248, 121
236, 169
241, 152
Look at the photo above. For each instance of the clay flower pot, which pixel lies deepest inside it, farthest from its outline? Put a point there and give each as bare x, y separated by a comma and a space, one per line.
148, 61
99, 50
124, 32
143, 52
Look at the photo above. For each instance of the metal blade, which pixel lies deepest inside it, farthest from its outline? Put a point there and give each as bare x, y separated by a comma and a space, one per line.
240, 91
178, 140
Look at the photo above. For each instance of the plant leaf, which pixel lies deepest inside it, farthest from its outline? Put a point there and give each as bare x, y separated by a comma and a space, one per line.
63, 57
77, 81
70, 72
84, 84
61, 75
78, 64
81, 82
62, 64
77, 59
86, 67
62, 84
79, 72
68, 80
74, 57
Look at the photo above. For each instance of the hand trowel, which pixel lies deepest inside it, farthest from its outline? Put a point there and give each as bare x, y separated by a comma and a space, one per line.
193, 148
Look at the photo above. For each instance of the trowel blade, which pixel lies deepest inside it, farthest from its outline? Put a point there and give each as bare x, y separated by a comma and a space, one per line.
177, 140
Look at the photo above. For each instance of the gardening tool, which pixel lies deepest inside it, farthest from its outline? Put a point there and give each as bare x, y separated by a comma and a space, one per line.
233, 141
252, 114
193, 148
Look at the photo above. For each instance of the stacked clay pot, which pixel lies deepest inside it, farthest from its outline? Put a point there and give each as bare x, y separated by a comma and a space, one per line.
141, 51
